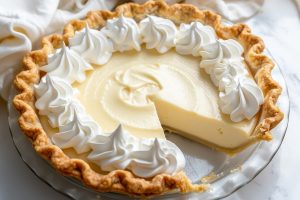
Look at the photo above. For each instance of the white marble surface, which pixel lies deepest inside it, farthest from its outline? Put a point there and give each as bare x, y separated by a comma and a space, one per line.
279, 25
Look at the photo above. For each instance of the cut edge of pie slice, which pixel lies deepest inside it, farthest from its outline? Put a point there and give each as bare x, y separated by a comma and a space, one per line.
123, 181
174, 94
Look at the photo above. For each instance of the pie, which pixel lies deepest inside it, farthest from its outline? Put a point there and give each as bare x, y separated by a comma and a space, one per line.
95, 101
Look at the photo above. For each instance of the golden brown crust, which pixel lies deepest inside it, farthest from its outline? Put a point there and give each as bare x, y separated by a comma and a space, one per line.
120, 180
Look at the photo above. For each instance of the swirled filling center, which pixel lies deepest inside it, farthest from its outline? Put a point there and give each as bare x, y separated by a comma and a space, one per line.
146, 90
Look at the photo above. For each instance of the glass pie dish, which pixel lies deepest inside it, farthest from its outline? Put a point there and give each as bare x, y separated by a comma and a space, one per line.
223, 173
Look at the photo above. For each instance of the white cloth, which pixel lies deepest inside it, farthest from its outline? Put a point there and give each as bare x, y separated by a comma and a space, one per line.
297, 2
23, 22
233, 10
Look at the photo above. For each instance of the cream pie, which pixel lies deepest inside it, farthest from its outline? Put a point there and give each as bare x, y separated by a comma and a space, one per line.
95, 101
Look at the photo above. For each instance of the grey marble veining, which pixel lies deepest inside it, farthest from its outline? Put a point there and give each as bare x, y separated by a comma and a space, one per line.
279, 25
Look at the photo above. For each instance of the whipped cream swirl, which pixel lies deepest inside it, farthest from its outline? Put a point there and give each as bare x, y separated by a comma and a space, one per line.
144, 157
239, 94
67, 64
76, 133
192, 37
222, 58
92, 45
55, 99
158, 33
53, 94
240, 98
124, 33
217, 52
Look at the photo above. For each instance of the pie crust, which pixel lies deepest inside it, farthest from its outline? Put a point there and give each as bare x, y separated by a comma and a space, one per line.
123, 181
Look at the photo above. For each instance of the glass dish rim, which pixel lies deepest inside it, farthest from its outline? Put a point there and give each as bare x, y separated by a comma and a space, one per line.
173, 195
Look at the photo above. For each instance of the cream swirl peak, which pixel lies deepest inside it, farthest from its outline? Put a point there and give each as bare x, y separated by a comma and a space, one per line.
192, 37
158, 33
221, 58
76, 133
124, 33
241, 99
221, 52
53, 94
230, 67
92, 45
68, 64
144, 157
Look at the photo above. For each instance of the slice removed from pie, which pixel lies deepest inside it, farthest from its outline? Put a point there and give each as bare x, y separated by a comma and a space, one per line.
146, 91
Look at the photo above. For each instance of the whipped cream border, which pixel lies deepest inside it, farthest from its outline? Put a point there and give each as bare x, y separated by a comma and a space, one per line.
240, 97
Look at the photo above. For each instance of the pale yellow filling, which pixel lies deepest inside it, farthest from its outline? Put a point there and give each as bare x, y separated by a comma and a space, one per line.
145, 90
